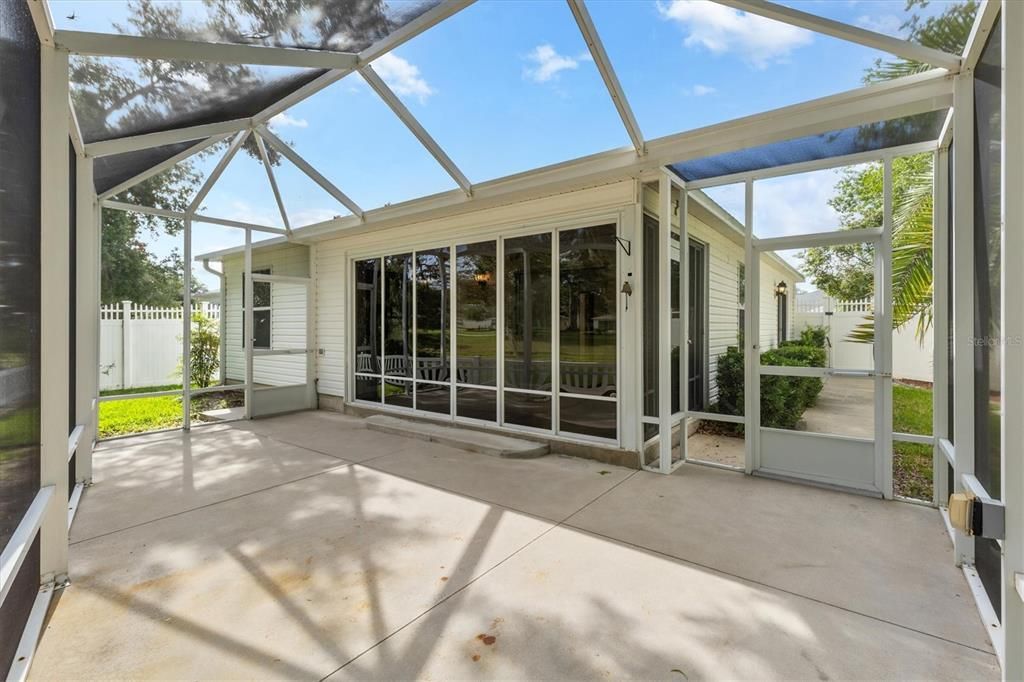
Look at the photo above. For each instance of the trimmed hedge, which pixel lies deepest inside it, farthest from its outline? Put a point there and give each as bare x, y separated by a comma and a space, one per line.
783, 399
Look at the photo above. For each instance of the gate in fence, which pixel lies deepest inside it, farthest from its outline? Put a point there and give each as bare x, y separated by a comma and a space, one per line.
911, 359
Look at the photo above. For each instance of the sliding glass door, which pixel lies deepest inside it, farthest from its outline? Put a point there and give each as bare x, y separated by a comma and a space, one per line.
431, 325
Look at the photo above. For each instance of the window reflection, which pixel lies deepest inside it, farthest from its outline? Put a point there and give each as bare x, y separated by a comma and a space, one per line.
528, 409
528, 312
432, 323
398, 316
477, 313
587, 294
367, 312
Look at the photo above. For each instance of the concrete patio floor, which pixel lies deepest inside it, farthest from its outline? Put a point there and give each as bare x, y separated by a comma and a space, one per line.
308, 547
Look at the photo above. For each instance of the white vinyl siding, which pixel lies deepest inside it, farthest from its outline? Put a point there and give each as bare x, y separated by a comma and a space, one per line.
725, 251
288, 315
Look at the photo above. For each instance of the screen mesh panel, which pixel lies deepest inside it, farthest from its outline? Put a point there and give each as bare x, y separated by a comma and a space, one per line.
111, 171
870, 137
117, 97
337, 25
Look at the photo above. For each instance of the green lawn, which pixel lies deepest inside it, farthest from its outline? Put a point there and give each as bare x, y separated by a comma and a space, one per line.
139, 415
575, 346
912, 462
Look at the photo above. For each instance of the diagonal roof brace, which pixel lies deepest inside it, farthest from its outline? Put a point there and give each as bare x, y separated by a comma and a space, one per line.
396, 105
218, 170
611, 81
149, 47
273, 184
262, 132
854, 34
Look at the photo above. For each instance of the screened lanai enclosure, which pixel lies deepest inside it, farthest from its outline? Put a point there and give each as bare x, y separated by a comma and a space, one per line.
750, 263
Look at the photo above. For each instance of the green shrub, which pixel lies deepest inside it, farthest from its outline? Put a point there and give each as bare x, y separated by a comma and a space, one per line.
783, 399
204, 356
730, 382
813, 336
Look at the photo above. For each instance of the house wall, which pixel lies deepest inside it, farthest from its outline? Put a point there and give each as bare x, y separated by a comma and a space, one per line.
287, 317
331, 256
725, 252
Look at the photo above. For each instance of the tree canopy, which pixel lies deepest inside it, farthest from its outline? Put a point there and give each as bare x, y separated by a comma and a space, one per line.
846, 272
116, 97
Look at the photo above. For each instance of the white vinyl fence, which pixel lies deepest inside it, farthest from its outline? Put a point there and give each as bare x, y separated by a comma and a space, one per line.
140, 346
910, 358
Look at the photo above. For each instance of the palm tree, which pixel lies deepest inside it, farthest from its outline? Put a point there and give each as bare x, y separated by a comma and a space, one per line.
912, 211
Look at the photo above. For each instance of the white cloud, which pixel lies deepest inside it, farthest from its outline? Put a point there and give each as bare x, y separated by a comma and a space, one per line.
889, 24
547, 64
403, 77
283, 120
720, 29
243, 212
700, 90
796, 204
312, 216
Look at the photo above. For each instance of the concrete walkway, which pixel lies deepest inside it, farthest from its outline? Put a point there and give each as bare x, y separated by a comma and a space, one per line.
307, 547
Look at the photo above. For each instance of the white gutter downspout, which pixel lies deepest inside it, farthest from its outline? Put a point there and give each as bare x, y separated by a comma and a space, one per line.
223, 318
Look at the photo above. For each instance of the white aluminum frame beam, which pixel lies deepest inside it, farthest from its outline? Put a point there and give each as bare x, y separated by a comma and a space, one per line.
134, 143
899, 97
403, 113
54, 325
282, 148
405, 33
148, 47
604, 66
195, 217
218, 170
273, 184
42, 19
1012, 379
164, 165
854, 34
984, 20
75, 129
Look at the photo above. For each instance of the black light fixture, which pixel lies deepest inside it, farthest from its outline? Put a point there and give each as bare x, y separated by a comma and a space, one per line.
781, 288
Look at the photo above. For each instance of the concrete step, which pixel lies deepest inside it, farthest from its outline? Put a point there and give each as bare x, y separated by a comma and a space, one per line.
474, 441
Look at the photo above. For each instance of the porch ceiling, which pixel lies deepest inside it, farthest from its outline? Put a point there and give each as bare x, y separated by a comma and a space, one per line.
305, 546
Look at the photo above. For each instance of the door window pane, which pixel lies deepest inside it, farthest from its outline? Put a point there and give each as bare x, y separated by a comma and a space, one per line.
432, 323
836, 405
588, 417
433, 398
476, 272
367, 317
476, 403
368, 388
261, 328
398, 393
528, 313
398, 293
528, 409
587, 317
650, 320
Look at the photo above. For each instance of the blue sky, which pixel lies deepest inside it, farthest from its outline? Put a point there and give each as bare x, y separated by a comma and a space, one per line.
508, 86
